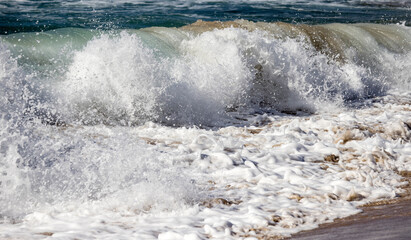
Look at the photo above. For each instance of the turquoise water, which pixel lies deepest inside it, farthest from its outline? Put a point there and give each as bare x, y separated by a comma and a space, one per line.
27, 15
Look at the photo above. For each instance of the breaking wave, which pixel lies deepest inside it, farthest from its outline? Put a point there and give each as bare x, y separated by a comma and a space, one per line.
201, 73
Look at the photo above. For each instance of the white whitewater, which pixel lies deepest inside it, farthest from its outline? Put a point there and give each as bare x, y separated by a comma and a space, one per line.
214, 130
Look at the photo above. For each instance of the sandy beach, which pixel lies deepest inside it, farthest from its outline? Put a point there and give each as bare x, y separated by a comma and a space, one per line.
389, 219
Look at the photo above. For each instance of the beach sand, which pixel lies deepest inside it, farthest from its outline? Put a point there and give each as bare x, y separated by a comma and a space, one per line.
389, 219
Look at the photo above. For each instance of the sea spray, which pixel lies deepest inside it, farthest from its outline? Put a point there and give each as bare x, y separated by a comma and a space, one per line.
183, 132
12, 179
208, 74
197, 76
42, 165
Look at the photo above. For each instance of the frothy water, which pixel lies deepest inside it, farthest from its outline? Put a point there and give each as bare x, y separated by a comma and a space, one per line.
194, 76
181, 132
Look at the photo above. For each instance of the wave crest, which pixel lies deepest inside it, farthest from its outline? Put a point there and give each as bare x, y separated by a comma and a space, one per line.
201, 73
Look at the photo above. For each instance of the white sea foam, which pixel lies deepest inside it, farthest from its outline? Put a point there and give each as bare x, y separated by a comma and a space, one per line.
161, 182
106, 166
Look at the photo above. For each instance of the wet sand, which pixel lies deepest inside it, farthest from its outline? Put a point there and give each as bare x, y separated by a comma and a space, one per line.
389, 219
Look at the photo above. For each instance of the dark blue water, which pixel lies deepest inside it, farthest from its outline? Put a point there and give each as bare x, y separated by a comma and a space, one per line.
29, 15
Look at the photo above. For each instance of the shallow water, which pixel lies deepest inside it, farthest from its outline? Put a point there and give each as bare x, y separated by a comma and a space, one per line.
117, 121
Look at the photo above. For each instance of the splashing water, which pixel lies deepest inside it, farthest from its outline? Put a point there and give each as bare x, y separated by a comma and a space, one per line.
102, 128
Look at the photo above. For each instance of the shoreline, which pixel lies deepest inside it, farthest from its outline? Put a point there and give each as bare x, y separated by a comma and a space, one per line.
385, 219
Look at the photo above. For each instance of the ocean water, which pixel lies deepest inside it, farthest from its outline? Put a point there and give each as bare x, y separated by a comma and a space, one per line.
199, 119
26, 15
